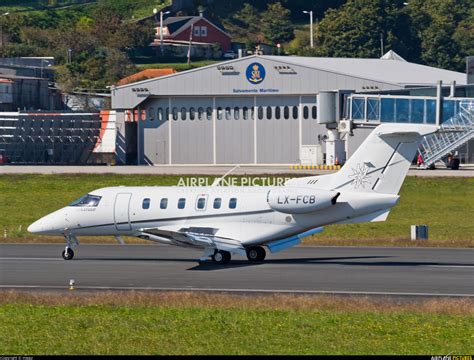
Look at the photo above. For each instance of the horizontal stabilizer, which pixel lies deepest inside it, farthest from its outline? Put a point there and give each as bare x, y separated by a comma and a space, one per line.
279, 245
373, 217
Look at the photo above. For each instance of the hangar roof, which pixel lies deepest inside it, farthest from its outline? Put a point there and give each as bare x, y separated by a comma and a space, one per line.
386, 70
285, 75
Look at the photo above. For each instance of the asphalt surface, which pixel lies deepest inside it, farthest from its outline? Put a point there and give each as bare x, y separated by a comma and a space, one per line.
338, 270
217, 170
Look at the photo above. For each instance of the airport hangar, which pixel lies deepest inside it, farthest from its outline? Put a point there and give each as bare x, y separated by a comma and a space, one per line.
255, 109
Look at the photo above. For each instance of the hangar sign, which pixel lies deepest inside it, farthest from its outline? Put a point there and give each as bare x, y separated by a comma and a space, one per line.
255, 75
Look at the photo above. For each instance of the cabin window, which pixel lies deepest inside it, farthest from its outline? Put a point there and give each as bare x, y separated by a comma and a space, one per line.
146, 203
217, 203
181, 203
164, 203
233, 203
87, 201
201, 203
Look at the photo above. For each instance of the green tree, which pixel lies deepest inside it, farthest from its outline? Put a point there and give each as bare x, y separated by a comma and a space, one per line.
277, 25
354, 30
249, 18
445, 30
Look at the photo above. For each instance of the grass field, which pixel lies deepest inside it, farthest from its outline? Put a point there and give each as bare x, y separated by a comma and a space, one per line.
187, 323
444, 204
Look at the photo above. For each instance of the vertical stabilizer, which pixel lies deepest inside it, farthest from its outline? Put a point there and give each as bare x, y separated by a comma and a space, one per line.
381, 163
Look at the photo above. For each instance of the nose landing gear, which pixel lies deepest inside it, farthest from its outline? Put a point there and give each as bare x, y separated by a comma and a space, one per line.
68, 254
71, 241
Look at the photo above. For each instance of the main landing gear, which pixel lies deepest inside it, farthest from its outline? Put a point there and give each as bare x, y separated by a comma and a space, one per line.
221, 257
256, 254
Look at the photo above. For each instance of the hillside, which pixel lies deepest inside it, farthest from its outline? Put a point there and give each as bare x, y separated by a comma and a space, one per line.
104, 35
131, 9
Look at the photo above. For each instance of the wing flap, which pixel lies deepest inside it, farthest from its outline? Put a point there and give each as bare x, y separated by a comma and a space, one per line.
201, 237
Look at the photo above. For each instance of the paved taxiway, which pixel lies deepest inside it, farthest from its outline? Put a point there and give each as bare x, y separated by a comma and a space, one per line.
358, 270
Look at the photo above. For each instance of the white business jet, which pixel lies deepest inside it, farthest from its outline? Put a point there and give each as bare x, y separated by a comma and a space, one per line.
227, 220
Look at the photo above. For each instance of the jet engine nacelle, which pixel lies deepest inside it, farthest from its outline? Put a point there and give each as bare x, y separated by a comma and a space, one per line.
299, 200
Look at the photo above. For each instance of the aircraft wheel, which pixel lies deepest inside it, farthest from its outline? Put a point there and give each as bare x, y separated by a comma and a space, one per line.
68, 254
256, 254
221, 257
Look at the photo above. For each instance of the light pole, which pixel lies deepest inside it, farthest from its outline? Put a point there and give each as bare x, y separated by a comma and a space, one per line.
155, 11
1, 28
311, 24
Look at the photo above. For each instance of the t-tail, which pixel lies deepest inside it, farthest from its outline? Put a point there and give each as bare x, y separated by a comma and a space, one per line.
381, 163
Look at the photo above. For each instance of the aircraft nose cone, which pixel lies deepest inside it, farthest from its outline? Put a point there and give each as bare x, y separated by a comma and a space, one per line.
36, 227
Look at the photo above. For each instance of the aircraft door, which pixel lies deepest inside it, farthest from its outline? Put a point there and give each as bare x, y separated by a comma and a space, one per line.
121, 211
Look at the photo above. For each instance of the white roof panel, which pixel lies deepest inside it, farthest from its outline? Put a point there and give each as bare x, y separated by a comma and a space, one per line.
391, 71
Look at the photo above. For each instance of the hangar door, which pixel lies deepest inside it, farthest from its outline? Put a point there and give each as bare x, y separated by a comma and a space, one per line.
154, 133
235, 130
277, 129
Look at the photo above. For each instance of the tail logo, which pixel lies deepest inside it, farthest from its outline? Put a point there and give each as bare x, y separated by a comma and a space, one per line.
360, 177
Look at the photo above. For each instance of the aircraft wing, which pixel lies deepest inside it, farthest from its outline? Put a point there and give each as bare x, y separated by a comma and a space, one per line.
193, 236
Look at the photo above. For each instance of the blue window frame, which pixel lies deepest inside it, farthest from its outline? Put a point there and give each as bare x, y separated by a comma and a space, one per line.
164, 203
232, 203
146, 203
387, 110
417, 111
358, 109
402, 110
181, 203
373, 109
449, 109
217, 203
431, 111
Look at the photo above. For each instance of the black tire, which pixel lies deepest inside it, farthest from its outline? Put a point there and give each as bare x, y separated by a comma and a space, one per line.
68, 255
221, 257
256, 254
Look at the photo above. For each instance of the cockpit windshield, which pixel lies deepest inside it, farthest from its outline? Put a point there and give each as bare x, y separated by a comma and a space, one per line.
87, 200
